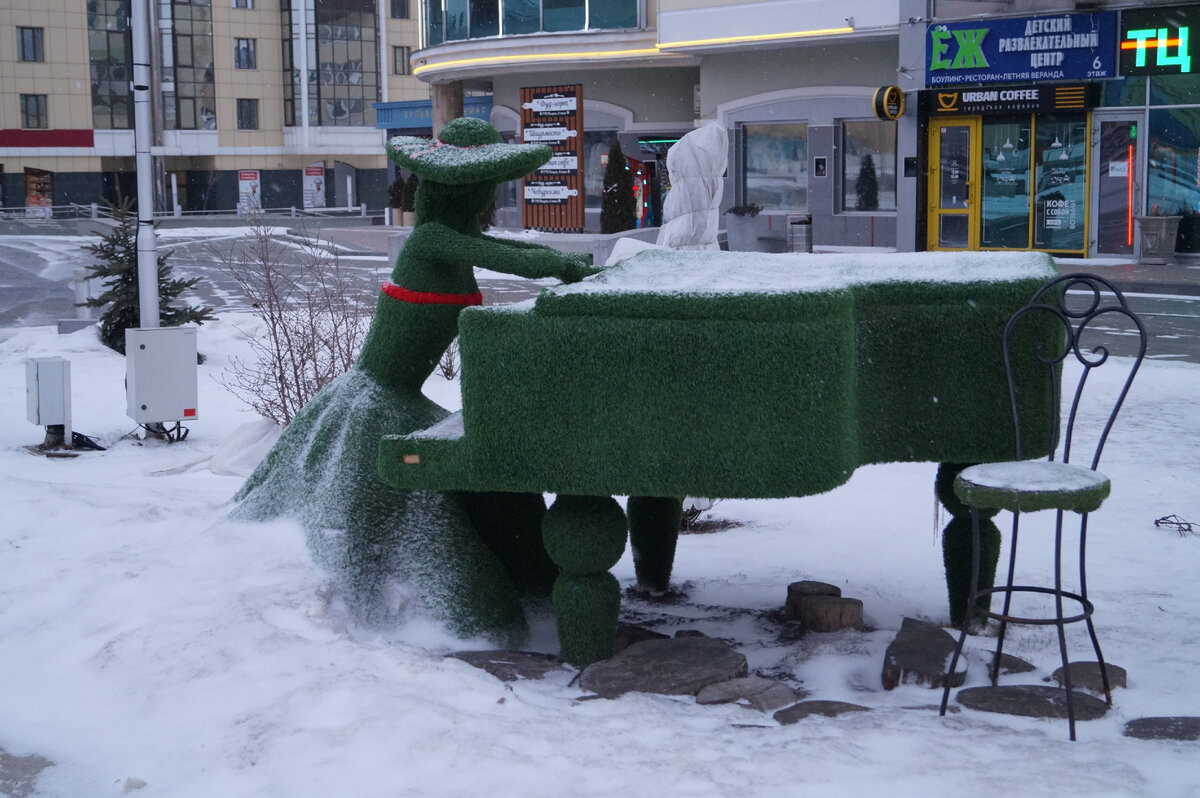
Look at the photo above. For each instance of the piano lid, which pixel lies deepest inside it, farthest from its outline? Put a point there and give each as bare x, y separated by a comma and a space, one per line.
756, 286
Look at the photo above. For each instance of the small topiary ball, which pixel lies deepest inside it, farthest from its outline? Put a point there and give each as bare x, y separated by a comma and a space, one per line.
584, 534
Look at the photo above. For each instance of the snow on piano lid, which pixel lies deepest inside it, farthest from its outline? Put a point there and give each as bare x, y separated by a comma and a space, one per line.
777, 287
717, 272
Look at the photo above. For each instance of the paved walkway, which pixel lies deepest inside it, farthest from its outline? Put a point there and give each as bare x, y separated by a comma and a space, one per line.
1180, 277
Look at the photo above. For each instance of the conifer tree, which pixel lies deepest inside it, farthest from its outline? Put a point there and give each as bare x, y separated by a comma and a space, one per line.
117, 266
617, 211
867, 185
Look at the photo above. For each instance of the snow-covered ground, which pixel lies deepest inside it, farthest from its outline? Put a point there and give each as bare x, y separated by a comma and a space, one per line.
151, 647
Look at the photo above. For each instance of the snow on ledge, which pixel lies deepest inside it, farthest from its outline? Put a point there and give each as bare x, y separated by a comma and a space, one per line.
712, 272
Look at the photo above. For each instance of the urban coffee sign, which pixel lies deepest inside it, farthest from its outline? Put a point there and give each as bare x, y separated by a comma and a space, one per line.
1026, 99
1022, 49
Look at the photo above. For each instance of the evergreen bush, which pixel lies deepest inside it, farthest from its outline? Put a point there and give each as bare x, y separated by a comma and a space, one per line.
117, 255
617, 210
408, 199
396, 192
867, 186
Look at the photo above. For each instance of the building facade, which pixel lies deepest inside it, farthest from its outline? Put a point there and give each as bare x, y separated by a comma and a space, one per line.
914, 124
277, 96
907, 124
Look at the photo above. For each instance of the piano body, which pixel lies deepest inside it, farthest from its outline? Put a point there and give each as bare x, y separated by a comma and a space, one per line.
732, 375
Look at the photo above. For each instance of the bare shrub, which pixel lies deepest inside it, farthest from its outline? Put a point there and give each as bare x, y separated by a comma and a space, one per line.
448, 365
314, 317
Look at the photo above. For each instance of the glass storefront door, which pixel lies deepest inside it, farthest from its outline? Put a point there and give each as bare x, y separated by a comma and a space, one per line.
1118, 182
953, 185
1060, 175
1004, 205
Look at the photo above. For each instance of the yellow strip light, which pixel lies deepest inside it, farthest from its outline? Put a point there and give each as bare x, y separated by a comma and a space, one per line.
639, 53
761, 37
517, 59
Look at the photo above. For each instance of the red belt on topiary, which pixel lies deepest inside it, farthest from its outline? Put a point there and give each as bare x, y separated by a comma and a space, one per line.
430, 297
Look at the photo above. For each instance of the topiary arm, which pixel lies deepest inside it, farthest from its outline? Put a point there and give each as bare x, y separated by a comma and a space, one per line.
527, 259
434, 242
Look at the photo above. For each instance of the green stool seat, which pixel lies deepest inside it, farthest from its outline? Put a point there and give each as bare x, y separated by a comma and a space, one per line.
1025, 486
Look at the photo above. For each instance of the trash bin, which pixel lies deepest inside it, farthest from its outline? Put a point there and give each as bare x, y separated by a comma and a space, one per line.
799, 232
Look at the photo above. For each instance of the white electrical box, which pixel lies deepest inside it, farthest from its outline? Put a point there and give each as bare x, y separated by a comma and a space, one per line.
48, 391
160, 374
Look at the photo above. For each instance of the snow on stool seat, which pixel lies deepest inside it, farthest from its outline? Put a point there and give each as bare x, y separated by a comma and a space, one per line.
1030, 485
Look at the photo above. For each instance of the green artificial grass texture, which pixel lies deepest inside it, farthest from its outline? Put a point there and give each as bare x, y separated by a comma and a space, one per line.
584, 534
956, 558
1076, 499
731, 395
956, 544
587, 608
653, 532
466, 558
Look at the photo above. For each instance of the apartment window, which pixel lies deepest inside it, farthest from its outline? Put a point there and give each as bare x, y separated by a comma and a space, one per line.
29, 43
110, 51
243, 3
775, 165
33, 112
247, 114
869, 166
243, 54
400, 60
399, 11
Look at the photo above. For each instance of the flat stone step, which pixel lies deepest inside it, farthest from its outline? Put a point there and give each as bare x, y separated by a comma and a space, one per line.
509, 666
806, 709
1086, 675
1166, 728
765, 695
1031, 701
676, 666
920, 654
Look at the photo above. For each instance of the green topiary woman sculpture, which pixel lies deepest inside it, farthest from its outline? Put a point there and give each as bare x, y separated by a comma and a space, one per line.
462, 557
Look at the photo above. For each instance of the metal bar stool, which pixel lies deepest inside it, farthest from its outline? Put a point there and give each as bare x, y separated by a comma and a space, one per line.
1073, 302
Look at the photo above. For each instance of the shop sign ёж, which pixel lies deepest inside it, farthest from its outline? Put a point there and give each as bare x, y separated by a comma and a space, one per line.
1030, 99
1021, 49
1159, 41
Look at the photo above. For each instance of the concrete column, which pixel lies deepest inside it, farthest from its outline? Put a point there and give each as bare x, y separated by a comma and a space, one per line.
447, 103
910, 77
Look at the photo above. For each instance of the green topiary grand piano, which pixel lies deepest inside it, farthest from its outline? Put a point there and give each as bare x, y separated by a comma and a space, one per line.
809, 366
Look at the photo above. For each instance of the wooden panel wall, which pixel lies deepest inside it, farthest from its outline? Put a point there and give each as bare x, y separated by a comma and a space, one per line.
553, 195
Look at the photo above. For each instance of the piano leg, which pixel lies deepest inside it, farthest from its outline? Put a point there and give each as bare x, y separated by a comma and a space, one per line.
585, 536
956, 545
653, 532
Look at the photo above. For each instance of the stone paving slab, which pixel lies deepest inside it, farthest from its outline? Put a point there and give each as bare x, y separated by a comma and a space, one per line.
765, 695
676, 666
1086, 675
1168, 728
509, 666
806, 709
1031, 701
19, 774
920, 654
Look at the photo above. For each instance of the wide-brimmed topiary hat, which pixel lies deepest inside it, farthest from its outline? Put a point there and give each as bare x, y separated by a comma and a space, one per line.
467, 151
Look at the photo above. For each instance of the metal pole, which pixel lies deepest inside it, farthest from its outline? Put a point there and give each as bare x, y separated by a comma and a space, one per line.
300, 48
147, 249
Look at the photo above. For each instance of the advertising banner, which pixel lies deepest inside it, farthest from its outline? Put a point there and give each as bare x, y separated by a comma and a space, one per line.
39, 193
552, 197
1022, 49
314, 185
249, 191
